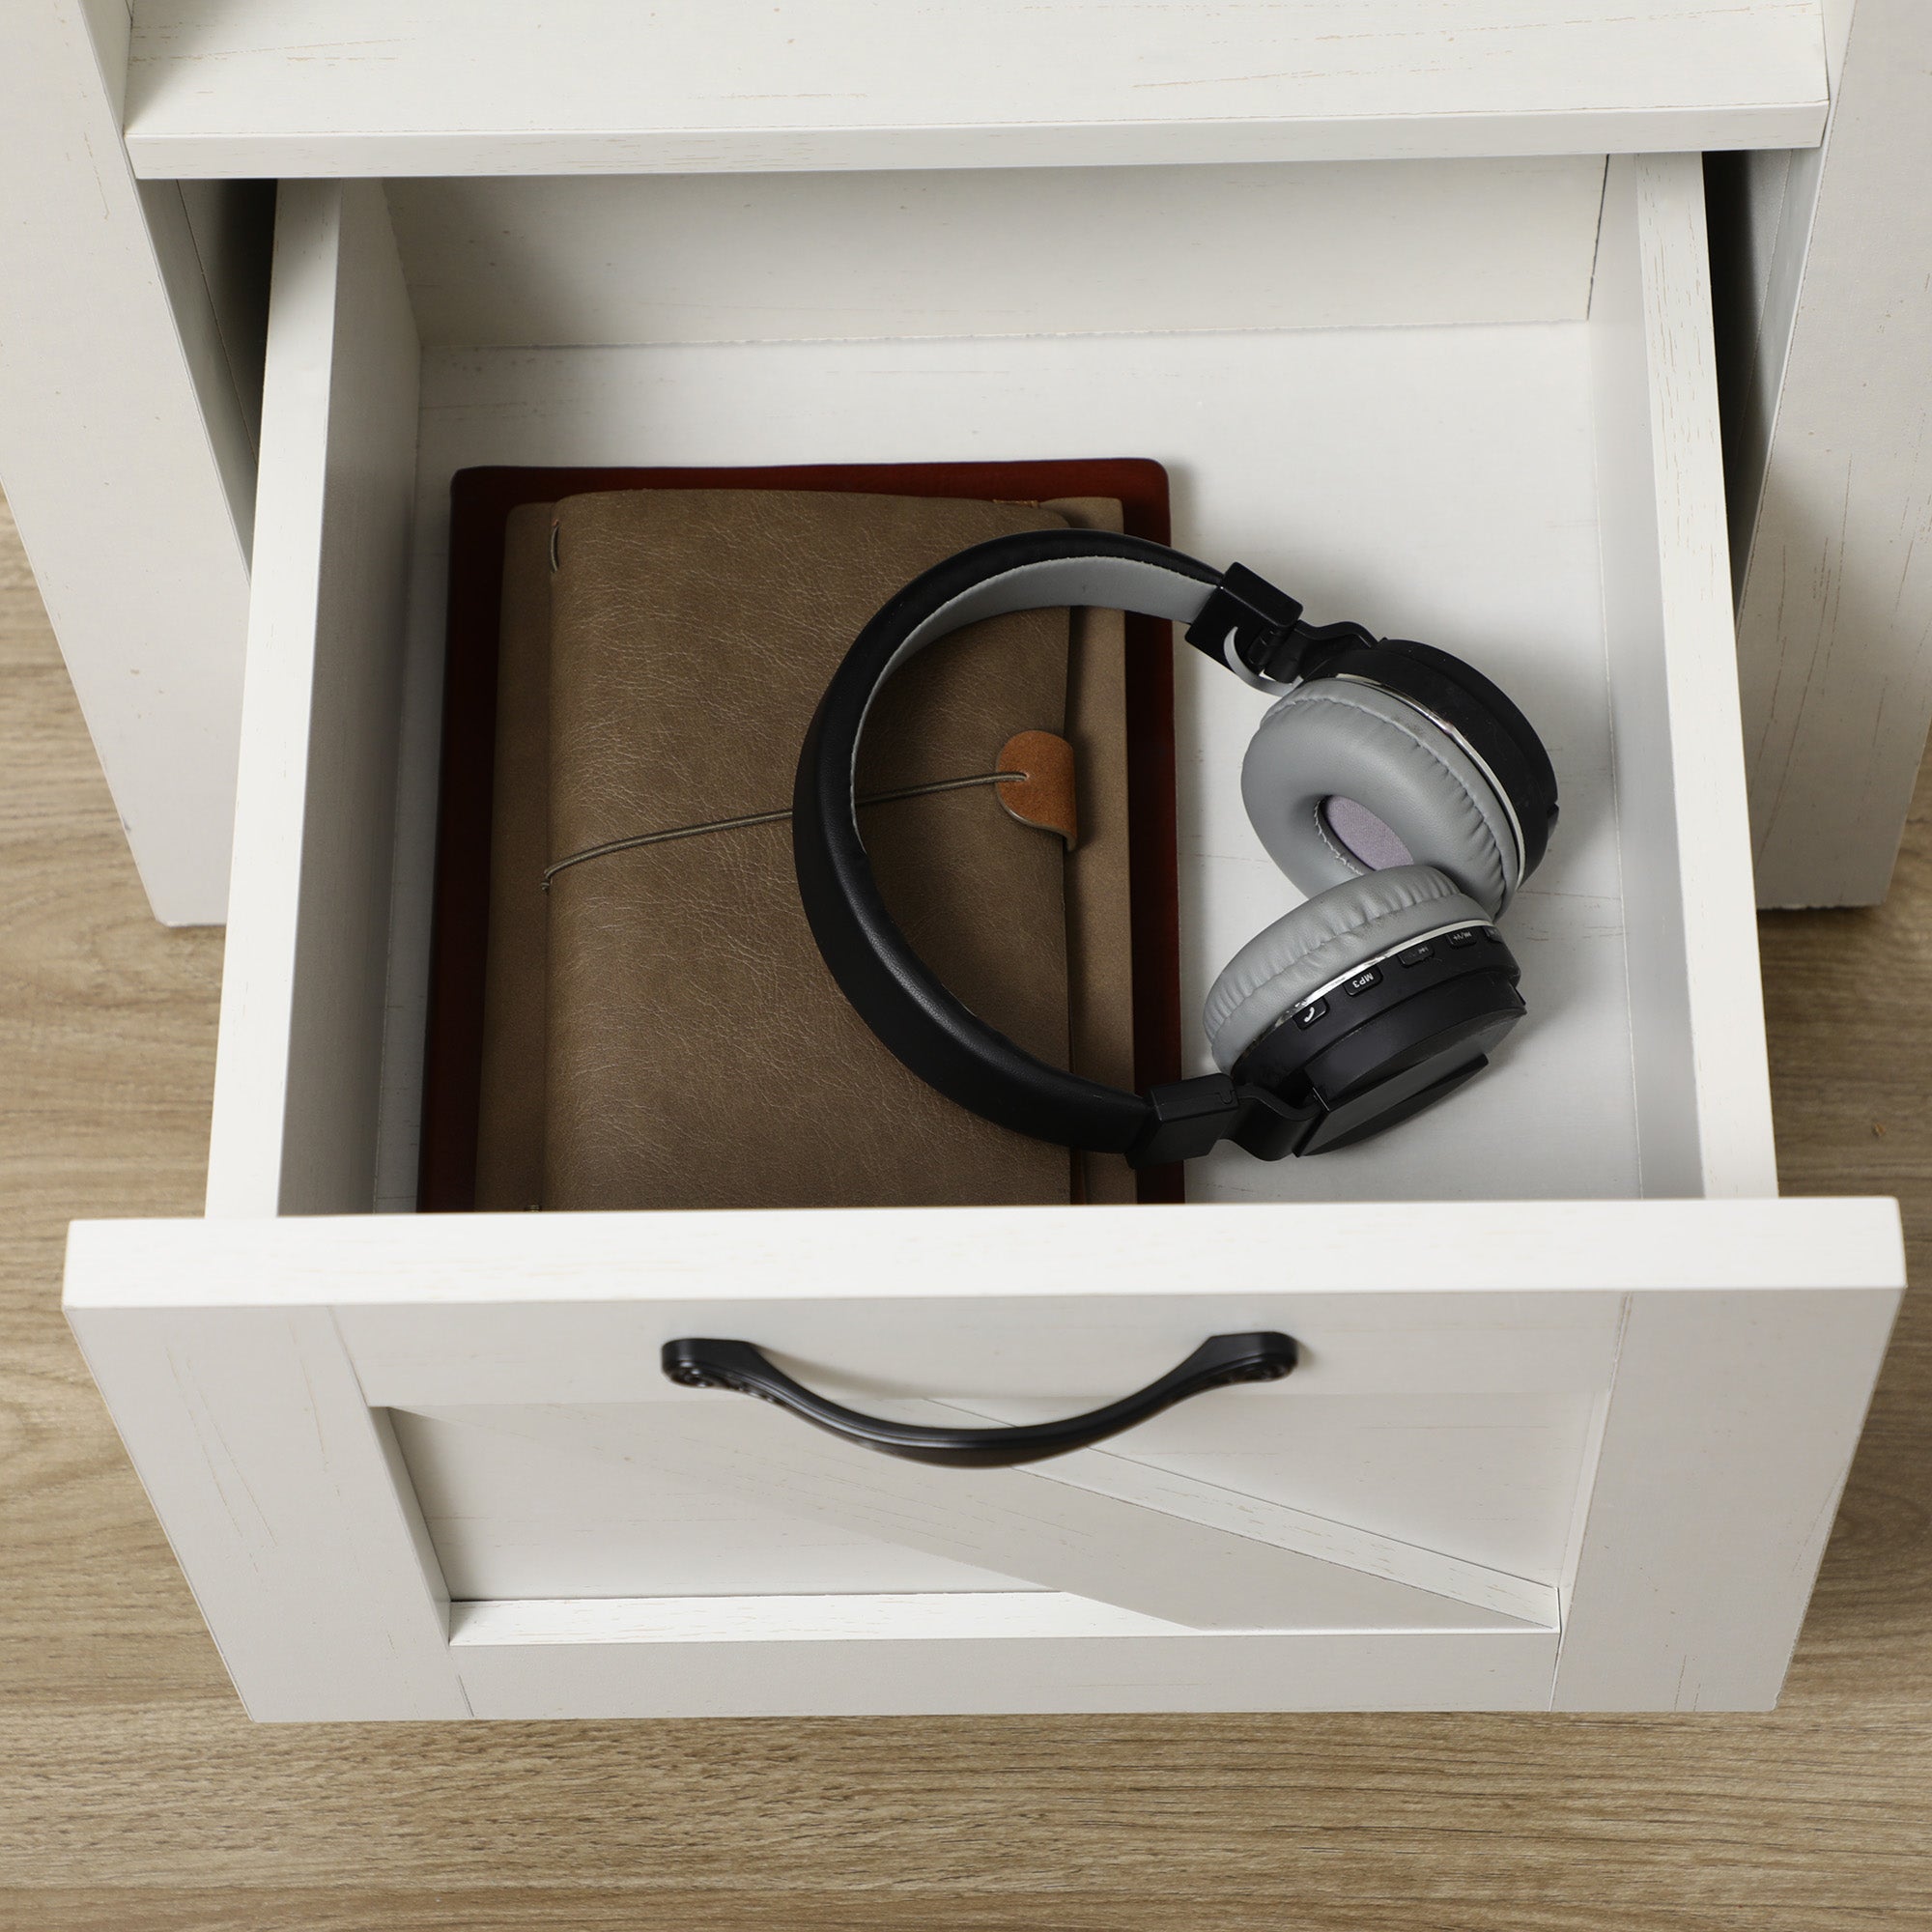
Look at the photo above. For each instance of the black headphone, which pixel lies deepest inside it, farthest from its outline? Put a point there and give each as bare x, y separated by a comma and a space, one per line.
1393, 783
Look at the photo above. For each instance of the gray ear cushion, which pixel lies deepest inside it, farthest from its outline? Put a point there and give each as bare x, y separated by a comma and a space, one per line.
1340, 739
1322, 941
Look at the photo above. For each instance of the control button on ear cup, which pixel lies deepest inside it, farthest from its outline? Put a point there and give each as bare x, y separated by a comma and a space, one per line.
1324, 941
1345, 740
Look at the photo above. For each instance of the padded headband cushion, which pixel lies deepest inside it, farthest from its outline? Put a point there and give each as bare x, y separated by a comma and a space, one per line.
1323, 941
1336, 738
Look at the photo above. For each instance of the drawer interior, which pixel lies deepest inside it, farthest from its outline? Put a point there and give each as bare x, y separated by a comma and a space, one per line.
1506, 446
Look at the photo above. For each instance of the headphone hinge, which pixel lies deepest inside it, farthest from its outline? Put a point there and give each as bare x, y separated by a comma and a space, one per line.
1255, 630
1245, 624
1271, 1129
1185, 1117
1190, 1117
1313, 648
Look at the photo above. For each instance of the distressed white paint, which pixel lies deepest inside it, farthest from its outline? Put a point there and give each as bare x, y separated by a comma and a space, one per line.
303, 975
1395, 1478
577, 261
510, 1517
778, 1263
1223, 1486
441, 87
1730, 1434
1835, 618
123, 448
1096, 1524
884, 1656
200, 1334
278, 1487
1703, 1091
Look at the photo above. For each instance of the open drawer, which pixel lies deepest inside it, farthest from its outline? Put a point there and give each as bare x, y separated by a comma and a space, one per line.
1575, 1392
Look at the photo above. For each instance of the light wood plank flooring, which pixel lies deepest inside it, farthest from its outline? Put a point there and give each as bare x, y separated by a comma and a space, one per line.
135, 1798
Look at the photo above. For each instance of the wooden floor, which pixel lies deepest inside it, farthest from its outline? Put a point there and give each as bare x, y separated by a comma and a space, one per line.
135, 1798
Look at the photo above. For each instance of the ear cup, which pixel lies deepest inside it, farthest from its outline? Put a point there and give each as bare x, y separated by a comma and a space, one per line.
1335, 738
1323, 941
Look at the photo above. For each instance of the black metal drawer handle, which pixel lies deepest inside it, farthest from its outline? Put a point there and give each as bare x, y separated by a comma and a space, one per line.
1220, 1360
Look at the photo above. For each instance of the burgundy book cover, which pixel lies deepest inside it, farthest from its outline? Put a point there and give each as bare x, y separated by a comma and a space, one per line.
481, 500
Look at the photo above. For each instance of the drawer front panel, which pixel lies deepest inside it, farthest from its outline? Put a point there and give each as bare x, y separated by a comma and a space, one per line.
1618, 1464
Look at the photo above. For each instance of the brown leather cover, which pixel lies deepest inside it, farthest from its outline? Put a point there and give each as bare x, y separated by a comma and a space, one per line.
510, 1103
510, 1129
482, 501
699, 1054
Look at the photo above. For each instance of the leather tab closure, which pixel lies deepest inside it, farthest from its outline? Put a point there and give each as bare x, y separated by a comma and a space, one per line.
1041, 790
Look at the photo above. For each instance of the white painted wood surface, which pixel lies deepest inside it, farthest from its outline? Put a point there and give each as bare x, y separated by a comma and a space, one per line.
883, 1655
510, 1518
1238, 1449
438, 87
782, 1263
584, 261
1836, 610
206, 1340
279, 1488
1729, 1434
1100, 1523
1702, 1086
123, 448
1387, 1482
303, 977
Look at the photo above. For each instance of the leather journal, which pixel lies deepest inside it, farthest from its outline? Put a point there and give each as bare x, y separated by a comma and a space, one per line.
651, 1025
698, 1054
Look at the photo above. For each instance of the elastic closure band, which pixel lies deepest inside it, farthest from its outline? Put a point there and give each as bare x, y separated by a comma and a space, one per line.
630, 845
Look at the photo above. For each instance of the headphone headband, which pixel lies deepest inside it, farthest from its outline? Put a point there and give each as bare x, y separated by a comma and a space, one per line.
1241, 621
